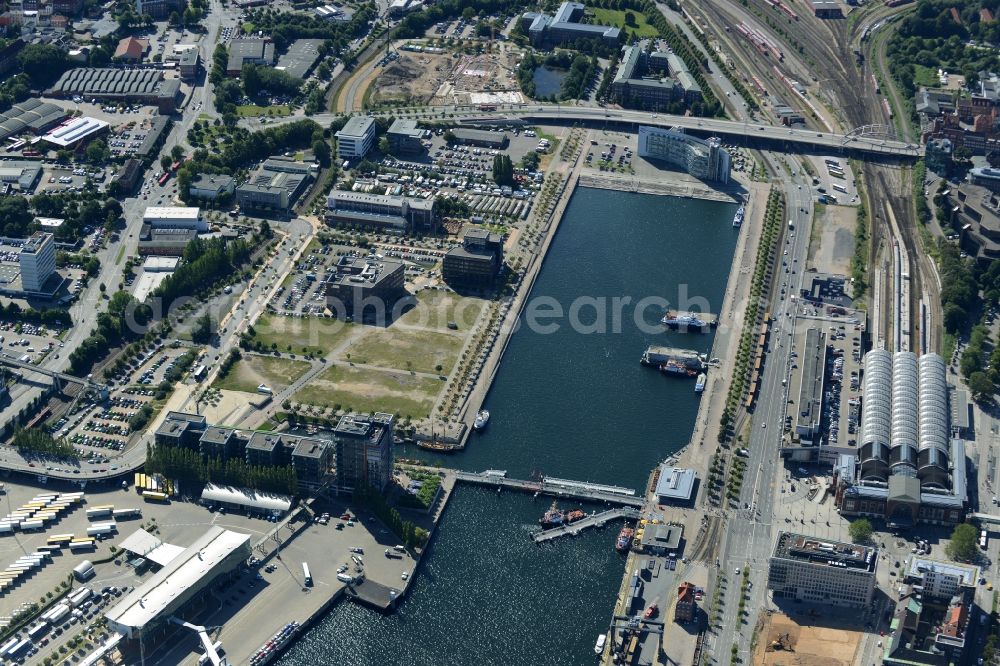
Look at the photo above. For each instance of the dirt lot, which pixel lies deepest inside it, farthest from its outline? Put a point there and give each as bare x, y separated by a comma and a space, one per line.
412, 78
807, 645
831, 245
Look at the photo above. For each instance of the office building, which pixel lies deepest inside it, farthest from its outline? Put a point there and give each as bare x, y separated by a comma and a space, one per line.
987, 177
180, 430
652, 80
686, 607
384, 212
929, 631
164, 242
249, 51
367, 290
174, 217
657, 538
37, 260
941, 580
364, 451
357, 138
211, 186
275, 186
189, 64
159, 9
565, 28
908, 469
674, 485
405, 138
812, 570
703, 159
476, 262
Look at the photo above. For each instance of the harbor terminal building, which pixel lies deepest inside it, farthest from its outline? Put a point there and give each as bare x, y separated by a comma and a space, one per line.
705, 159
809, 569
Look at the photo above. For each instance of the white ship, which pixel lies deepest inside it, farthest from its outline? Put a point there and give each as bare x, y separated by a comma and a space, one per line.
482, 418
738, 218
700, 384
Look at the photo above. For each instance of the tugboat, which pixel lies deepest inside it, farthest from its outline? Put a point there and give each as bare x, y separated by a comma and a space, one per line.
552, 518
482, 418
625, 539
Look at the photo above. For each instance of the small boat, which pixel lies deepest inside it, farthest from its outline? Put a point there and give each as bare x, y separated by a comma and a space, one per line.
599, 646
738, 218
700, 385
650, 612
575, 515
624, 539
482, 418
443, 447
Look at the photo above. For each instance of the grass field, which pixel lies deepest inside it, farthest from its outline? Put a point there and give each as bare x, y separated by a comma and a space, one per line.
248, 110
437, 308
253, 370
305, 334
925, 76
372, 390
617, 18
401, 349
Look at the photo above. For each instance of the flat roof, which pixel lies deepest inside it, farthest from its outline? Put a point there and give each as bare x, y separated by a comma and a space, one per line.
140, 543
675, 483
967, 574
75, 130
357, 126
172, 213
146, 602
825, 552
50, 222
160, 263
299, 58
812, 372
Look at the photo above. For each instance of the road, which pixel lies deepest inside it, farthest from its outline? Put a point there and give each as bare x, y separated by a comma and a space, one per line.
554, 113
750, 533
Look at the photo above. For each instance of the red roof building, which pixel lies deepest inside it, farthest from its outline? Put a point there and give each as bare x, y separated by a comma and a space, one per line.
131, 49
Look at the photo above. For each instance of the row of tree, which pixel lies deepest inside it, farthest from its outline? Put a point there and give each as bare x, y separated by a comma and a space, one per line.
205, 263
35, 440
192, 470
125, 319
406, 530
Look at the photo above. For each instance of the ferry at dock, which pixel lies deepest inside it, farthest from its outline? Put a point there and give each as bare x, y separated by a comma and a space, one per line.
738, 218
691, 321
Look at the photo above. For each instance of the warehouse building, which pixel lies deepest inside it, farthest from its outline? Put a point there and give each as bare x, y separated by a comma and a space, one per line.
357, 138
808, 569
176, 588
275, 186
385, 212
481, 138
249, 51
476, 262
31, 115
366, 290
302, 54
565, 28
21, 175
138, 86
241, 499
652, 80
907, 468
75, 130
406, 138
212, 186
174, 217
704, 159
826, 9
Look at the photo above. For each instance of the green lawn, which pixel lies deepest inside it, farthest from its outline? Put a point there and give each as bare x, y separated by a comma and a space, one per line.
305, 334
252, 370
925, 76
437, 308
249, 110
617, 18
402, 349
363, 390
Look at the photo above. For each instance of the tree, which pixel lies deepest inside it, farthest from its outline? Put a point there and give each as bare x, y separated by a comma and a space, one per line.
981, 386
384, 146
98, 152
202, 330
43, 63
468, 14
860, 530
177, 153
963, 544
165, 162
321, 150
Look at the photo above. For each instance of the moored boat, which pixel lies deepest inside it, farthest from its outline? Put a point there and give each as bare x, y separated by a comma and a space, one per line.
482, 418
601, 641
624, 539
700, 385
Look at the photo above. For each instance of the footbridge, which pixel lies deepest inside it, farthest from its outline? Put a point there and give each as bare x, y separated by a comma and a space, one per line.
593, 520
59, 378
551, 486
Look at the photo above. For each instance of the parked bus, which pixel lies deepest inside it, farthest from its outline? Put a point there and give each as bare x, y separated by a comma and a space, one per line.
840, 188
60, 540
100, 511
833, 163
983, 540
125, 514
153, 496
82, 543
306, 575
164, 178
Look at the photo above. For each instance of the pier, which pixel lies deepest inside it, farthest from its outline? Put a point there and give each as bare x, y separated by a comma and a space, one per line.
593, 520
582, 490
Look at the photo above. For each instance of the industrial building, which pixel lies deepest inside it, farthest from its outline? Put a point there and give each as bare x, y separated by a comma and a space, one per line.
405, 138
31, 115
357, 138
395, 214
75, 130
143, 612
367, 290
212, 186
652, 80
37, 260
674, 485
481, 138
164, 242
276, 185
174, 217
907, 469
364, 451
302, 54
22, 175
476, 262
249, 51
565, 28
826, 9
141, 86
809, 569
704, 159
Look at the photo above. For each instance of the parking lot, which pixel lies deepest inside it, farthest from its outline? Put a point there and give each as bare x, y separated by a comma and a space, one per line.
29, 343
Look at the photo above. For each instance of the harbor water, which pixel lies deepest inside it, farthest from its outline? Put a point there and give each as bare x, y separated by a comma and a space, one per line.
571, 404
